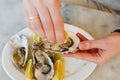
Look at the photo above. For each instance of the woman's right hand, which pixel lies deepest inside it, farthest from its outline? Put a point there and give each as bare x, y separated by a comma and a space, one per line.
44, 18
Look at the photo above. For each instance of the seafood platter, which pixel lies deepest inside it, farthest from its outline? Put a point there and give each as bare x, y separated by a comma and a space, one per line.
26, 56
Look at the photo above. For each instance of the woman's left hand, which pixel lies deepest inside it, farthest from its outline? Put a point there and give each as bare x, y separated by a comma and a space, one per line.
98, 51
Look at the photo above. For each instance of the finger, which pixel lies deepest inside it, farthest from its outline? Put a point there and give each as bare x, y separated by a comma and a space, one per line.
84, 56
82, 38
46, 20
26, 14
58, 22
91, 44
26, 18
35, 24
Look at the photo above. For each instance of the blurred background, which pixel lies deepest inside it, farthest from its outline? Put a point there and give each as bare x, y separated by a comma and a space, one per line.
95, 22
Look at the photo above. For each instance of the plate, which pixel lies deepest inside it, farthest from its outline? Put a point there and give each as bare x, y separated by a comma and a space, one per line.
75, 69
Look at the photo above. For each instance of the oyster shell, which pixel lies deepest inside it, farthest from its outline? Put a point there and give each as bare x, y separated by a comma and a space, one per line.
70, 45
42, 54
74, 40
19, 44
43, 66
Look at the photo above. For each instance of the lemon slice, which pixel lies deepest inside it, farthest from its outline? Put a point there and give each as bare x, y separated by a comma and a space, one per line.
58, 67
59, 70
58, 56
29, 70
66, 35
36, 38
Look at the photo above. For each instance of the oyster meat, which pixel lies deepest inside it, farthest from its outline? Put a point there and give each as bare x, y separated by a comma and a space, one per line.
19, 44
72, 42
41, 52
43, 66
69, 45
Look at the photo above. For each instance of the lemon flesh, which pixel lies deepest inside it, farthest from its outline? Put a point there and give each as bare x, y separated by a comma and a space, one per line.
29, 70
36, 38
58, 67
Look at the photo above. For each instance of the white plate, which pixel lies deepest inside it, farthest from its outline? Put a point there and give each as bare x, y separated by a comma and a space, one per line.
75, 69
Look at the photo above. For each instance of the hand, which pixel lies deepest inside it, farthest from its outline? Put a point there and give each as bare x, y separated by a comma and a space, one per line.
98, 51
49, 24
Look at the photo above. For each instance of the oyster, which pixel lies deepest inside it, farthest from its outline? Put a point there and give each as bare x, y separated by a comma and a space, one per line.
72, 42
43, 54
43, 66
70, 45
19, 56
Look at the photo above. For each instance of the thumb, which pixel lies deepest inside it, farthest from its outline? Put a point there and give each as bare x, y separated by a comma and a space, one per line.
90, 44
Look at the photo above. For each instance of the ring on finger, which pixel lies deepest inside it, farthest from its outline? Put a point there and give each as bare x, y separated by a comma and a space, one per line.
33, 17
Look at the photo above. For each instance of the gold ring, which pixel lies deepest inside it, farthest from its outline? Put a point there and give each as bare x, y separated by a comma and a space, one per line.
33, 17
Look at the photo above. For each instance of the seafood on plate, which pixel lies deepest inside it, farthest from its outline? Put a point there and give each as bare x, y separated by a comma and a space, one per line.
70, 44
41, 61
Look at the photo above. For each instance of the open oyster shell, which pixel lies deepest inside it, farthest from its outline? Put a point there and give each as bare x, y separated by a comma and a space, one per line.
42, 54
19, 54
69, 45
43, 66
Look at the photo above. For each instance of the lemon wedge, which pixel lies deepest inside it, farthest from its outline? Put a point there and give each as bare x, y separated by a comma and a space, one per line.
29, 70
36, 38
58, 56
66, 35
58, 67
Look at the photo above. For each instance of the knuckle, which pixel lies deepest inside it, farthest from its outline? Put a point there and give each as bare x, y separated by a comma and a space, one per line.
47, 26
90, 44
58, 25
105, 42
53, 3
87, 45
35, 25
